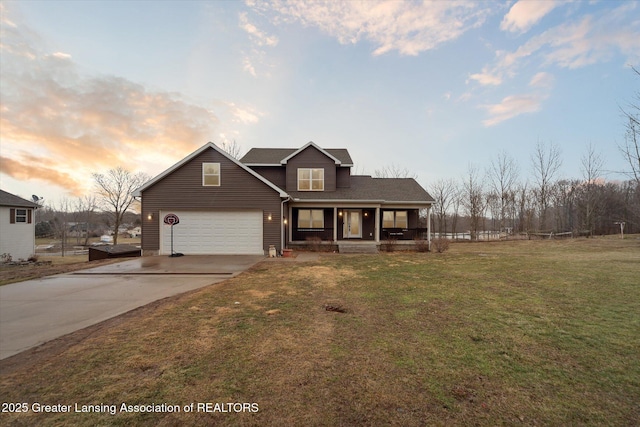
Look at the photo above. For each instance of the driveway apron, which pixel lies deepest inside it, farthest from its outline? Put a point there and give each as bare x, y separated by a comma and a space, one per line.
36, 311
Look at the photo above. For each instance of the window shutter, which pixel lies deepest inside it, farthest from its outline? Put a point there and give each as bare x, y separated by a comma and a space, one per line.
29, 213
12, 216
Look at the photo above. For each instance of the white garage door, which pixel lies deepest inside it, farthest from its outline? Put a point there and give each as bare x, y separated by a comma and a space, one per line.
206, 232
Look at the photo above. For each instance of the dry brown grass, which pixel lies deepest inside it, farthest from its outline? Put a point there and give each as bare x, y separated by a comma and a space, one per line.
534, 333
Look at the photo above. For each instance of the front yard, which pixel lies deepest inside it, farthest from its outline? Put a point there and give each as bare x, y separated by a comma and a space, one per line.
528, 332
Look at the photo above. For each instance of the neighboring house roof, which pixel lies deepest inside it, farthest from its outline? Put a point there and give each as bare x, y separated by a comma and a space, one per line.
279, 156
210, 145
8, 199
366, 188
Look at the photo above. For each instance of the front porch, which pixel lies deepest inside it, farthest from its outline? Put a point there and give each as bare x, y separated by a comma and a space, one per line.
360, 246
327, 227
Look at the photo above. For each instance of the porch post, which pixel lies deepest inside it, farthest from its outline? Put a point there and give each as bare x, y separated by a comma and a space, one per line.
290, 225
335, 224
377, 227
429, 228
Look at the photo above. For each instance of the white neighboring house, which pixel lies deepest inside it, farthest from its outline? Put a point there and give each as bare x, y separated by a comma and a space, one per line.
17, 226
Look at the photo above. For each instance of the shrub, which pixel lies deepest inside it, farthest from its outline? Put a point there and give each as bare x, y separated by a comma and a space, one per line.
441, 245
314, 243
422, 245
389, 245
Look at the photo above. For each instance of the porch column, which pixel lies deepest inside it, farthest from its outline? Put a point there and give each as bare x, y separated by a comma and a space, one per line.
335, 224
377, 228
429, 228
290, 225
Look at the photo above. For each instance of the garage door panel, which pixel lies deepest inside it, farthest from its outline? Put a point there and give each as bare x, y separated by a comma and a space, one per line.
214, 232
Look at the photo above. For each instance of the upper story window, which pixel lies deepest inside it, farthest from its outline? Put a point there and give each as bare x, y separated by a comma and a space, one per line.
395, 219
21, 215
310, 179
211, 174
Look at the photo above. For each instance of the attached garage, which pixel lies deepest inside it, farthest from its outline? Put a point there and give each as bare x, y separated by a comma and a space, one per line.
214, 232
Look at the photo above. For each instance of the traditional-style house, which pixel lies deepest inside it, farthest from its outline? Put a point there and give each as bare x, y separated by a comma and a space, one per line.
275, 197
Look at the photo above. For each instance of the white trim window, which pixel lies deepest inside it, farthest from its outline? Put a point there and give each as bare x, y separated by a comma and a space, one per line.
211, 174
310, 219
395, 219
21, 215
310, 179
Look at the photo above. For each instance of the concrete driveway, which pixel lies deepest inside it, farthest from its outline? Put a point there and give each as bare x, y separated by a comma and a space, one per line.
36, 311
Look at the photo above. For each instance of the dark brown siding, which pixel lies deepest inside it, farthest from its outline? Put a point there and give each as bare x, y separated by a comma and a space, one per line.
343, 177
183, 189
274, 174
311, 158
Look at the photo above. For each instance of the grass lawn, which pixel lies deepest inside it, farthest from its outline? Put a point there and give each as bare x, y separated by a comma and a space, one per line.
527, 332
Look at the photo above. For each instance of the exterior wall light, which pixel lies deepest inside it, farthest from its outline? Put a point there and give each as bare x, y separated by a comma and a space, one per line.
150, 216
269, 217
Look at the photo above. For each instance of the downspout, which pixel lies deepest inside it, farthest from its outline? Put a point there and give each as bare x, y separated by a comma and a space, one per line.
283, 226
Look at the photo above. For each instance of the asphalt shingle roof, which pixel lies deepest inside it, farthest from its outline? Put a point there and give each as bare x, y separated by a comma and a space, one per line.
8, 199
368, 188
273, 156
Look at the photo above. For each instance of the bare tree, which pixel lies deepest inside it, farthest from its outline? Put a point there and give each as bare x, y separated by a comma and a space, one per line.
591, 170
444, 192
631, 148
85, 208
473, 199
115, 190
524, 201
393, 171
60, 221
232, 148
546, 163
503, 176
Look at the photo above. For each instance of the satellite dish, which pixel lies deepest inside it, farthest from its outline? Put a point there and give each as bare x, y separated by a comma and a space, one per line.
35, 198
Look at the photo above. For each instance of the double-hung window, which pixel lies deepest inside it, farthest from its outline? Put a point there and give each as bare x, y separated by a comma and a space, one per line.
21, 215
395, 219
310, 218
310, 179
211, 174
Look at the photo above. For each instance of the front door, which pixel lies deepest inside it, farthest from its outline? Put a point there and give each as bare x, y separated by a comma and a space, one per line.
352, 225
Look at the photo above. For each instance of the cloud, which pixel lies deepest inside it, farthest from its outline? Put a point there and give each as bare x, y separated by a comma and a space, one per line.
525, 14
72, 124
576, 44
408, 27
542, 80
39, 168
259, 37
512, 106
486, 78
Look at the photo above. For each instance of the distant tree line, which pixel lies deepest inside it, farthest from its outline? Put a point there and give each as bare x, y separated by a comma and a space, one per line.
499, 200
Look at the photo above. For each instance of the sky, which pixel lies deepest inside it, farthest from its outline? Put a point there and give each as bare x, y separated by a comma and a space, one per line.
431, 87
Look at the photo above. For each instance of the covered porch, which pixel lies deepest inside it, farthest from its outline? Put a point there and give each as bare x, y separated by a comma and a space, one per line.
346, 223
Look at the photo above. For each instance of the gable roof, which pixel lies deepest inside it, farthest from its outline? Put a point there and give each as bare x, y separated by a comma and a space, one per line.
368, 189
8, 199
210, 145
280, 156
